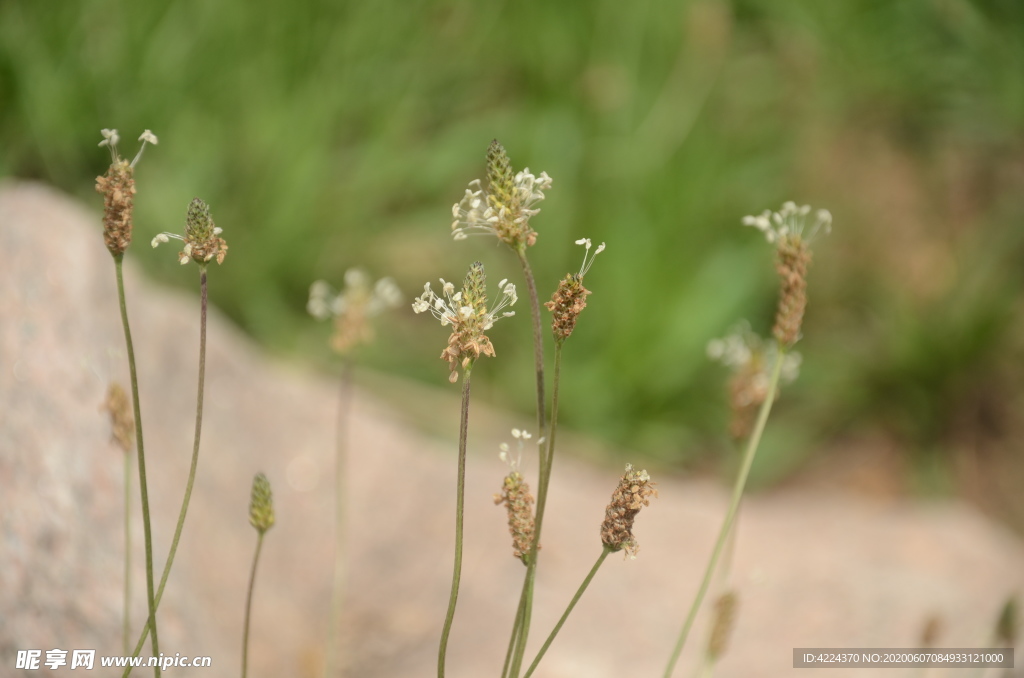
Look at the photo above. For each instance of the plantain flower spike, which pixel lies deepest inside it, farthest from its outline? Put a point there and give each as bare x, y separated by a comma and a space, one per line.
122, 423
118, 189
504, 207
518, 500
202, 237
353, 307
261, 504
750, 358
570, 298
721, 628
789, 231
633, 493
468, 314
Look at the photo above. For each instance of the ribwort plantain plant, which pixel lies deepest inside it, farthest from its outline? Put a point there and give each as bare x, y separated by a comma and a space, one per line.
469, 316
352, 310
118, 189
786, 231
202, 243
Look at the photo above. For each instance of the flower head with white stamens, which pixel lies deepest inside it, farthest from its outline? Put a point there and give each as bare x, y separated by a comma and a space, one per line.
202, 237
353, 307
468, 314
504, 207
515, 494
118, 189
570, 298
789, 231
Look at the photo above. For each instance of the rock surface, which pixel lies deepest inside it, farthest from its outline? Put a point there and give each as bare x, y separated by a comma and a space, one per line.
812, 568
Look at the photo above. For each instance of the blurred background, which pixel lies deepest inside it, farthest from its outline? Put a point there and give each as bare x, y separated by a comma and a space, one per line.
327, 135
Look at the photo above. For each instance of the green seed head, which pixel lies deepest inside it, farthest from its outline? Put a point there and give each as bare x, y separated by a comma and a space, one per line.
474, 289
501, 179
261, 505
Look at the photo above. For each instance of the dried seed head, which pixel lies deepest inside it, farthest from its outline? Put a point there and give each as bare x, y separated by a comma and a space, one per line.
566, 304
118, 189
121, 420
515, 494
931, 631
466, 311
792, 258
353, 307
504, 208
261, 504
786, 229
1007, 627
570, 298
632, 494
721, 629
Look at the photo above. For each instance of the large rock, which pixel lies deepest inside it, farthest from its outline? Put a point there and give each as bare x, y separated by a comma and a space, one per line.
812, 568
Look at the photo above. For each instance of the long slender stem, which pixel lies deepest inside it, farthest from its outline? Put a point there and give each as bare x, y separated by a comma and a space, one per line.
141, 448
526, 597
460, 500
126, 622
195, 460
513, 642
565, 615
538, 338
737, 495
248, 606
340, 460
542, 494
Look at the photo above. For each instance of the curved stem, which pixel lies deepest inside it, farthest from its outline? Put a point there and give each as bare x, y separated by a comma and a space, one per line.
338, 594
459, 507
248, 606
565, 615
737, 495
141, 448
542, 495
195, 461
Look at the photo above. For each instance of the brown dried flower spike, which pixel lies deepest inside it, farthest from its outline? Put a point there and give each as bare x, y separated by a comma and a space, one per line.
202, 237
466, 311
121, 420
633, 493
721, 629
785, 229
118, 189
518, 500
570, 298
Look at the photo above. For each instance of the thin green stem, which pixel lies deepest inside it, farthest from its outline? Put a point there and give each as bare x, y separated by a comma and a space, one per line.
340, 460
538, 337
513, 642
460, 500
565, 615
195, 460
542, 495
248, 606
737, 495
141, 448
126, 622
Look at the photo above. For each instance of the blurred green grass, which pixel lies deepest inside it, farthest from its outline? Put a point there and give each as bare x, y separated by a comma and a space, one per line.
331, 134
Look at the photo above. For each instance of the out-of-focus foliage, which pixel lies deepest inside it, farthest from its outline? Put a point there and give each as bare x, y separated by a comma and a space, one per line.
329, 134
